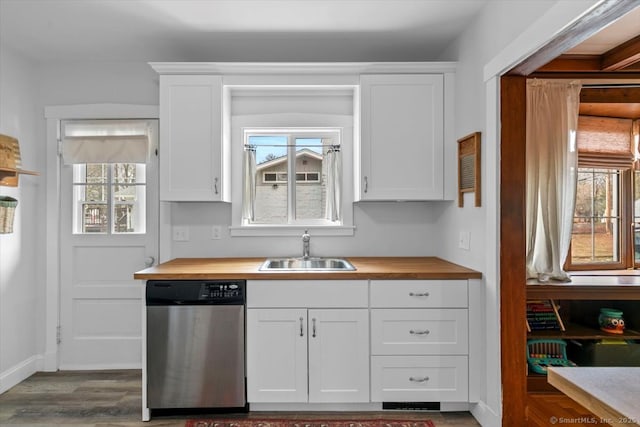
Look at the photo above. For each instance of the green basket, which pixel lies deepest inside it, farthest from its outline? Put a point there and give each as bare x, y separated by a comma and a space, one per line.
7, 212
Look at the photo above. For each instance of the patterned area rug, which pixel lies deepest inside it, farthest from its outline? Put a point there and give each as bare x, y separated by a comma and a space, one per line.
308, 423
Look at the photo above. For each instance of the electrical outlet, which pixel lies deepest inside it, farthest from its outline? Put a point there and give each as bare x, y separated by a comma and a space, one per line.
180, 233
464, 241
216, 232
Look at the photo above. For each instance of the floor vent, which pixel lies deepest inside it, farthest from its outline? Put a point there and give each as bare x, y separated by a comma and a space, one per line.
412, 406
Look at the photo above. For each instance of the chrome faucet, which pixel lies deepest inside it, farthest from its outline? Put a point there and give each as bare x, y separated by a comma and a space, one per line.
306, 239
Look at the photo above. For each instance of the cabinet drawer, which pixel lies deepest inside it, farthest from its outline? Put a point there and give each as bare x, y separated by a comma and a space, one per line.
419, 379
419, 331
307, 293
419, 293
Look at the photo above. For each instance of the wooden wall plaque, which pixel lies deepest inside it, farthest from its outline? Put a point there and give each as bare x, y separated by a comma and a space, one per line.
469, 167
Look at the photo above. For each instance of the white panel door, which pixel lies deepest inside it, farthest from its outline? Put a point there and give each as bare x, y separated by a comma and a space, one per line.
402, 141
277, 355
100, 302
339, 355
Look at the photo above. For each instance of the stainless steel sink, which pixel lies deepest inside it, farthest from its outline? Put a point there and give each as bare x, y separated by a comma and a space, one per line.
307, 264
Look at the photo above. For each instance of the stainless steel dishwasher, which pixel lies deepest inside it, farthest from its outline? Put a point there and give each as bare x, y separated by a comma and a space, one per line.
195, 344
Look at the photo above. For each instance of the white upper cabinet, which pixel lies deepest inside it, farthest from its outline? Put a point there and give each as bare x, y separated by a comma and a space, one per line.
402, 152
191, 154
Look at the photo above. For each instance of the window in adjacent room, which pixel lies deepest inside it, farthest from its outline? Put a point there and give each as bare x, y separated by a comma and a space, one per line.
292, 177
607, 212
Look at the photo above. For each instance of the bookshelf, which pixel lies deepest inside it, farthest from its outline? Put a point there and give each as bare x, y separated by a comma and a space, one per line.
578, 305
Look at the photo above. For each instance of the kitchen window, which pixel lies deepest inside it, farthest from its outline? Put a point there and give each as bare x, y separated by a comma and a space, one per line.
301, 177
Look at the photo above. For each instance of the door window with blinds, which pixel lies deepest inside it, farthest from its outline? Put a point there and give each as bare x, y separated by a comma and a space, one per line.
292, 177
109, 174
606, 224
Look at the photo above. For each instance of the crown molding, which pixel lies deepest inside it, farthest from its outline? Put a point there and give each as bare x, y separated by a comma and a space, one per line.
315, 68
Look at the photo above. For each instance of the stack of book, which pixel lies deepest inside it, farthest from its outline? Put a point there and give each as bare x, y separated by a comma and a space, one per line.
543, 315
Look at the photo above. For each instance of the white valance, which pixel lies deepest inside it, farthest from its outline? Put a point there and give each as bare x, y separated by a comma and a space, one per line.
105, 149
105, 142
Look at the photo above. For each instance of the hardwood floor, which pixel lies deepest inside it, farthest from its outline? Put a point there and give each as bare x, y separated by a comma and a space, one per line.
113, 399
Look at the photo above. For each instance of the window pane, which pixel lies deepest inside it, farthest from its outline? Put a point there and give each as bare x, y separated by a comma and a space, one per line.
97, 187
597, 223
310, 196
94, 218
128, 173
271, 191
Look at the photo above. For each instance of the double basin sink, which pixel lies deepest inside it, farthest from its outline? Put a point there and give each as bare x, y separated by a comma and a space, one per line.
307, 264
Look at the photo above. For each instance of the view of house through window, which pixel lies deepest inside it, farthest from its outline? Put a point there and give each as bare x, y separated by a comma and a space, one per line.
296, 178
109, 198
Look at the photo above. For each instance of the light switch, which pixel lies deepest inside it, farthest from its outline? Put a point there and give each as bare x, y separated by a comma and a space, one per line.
464, 241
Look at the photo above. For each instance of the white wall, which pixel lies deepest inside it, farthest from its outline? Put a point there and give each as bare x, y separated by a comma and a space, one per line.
499, 28
21, 255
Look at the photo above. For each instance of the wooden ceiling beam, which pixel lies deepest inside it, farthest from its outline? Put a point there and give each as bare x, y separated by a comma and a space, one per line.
620, 57
610, 95
589, 24
582, 63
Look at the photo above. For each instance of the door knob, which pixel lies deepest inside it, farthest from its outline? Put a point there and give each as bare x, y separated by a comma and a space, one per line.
149, 261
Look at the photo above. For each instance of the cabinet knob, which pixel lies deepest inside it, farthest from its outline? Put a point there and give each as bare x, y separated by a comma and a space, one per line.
418, 379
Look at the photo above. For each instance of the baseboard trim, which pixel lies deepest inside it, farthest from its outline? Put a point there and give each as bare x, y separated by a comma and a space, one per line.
485, 415
100, 367
20, 372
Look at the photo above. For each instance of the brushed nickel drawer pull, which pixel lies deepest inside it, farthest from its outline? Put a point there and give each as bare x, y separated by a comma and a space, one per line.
414, 332
215, 185
314, 327
418, 294
418, 379
301, 327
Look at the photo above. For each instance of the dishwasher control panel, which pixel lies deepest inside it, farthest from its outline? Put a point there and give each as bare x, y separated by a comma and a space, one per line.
221, 291
195, 292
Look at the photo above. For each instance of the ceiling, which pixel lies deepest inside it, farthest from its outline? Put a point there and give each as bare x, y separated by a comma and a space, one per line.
234, 30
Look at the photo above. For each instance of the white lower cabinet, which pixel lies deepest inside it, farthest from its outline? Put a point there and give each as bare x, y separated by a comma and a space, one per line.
419, 341
357, 341
307, 355
419, 378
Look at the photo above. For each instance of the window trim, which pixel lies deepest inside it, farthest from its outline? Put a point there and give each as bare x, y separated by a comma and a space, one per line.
347, 123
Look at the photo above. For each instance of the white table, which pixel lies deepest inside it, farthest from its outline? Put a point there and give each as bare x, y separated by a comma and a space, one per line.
612, 394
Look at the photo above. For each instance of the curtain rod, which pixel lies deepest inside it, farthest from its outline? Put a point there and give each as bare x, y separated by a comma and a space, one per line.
331, 146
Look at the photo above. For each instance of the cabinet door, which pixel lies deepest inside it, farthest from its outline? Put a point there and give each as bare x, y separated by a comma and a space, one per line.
402, 139
338, 355
190, 138
277, 355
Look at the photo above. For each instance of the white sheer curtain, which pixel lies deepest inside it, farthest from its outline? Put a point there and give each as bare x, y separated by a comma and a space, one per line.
552, 162
334, 179
249, 185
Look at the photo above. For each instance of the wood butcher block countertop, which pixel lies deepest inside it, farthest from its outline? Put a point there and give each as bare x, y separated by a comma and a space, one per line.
366, 268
